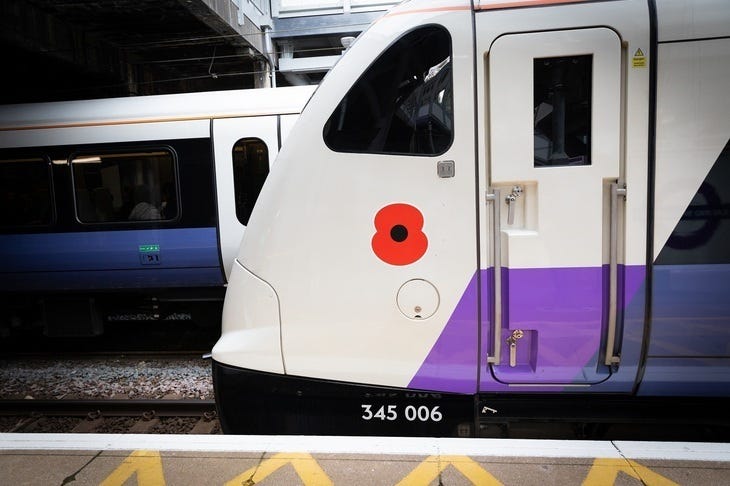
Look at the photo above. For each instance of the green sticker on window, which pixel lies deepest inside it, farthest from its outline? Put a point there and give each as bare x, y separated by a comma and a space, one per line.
148, 248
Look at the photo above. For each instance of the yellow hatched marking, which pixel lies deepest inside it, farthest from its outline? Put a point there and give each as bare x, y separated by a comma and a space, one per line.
146, 464
430, 469
605, 472
305, 466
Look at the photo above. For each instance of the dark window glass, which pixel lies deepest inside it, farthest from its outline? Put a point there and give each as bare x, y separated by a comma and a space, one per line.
562, 99
403, 103
25, 192
250, 168
131, 186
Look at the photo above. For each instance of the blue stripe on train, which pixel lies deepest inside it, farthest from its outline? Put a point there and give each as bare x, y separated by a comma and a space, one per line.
185, 257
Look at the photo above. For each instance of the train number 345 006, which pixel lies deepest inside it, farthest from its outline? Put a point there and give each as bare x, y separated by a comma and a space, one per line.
412, 413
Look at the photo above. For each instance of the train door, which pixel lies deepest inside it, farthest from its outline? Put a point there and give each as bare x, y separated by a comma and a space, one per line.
244, 150
554, 111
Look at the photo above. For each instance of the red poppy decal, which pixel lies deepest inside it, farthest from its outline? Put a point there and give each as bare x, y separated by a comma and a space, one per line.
399, 239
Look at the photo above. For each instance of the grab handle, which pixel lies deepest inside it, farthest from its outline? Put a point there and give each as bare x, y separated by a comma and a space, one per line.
494, 197
612, 358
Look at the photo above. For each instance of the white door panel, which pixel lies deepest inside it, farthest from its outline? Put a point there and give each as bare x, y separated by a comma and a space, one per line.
555, 121
226, 132
559, 197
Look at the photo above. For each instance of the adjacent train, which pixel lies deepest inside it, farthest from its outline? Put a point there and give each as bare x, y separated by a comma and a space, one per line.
485, 201
130, 204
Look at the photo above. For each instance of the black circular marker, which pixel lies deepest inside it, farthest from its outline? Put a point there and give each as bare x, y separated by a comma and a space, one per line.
398, 233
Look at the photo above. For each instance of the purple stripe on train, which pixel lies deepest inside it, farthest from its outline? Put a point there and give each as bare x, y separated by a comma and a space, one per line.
562, 313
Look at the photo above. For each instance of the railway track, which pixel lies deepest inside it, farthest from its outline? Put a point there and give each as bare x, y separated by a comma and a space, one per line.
109, 416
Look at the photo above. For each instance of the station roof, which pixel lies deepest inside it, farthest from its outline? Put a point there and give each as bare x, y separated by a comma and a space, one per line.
56, 50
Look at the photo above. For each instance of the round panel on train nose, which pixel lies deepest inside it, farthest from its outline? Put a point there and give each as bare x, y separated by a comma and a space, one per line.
418, 299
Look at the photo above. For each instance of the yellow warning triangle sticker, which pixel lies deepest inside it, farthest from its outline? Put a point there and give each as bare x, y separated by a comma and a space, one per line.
606, 471
430, 469
639, 59
146, 464
305, 466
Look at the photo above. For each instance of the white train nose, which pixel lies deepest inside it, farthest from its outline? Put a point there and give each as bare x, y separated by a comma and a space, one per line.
251, 330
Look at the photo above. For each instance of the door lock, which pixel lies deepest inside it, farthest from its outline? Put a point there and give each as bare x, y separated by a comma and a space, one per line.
516, 335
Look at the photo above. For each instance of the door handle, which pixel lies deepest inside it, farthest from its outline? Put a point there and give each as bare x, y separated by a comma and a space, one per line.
510, 200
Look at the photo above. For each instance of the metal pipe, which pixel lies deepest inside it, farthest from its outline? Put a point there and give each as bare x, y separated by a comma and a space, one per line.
611, 357
270, 57
495, 198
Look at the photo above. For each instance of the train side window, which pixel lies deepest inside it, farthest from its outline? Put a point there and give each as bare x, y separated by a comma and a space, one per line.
125, 186
250, 168
403, 103
25, 192
562, 110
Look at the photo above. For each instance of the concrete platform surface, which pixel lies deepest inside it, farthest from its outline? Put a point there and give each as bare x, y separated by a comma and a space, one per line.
146, 460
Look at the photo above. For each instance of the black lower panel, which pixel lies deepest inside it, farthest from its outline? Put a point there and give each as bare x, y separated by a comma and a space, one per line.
251, 402
604, 417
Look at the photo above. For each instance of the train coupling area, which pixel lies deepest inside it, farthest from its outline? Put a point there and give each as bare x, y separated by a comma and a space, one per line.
147, 460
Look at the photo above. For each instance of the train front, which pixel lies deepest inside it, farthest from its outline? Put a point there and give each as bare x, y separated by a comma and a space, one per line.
342, 314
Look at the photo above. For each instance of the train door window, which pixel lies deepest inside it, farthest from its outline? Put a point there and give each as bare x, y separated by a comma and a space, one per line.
250, 168
125, 186
25, 192
562, 110
403, 103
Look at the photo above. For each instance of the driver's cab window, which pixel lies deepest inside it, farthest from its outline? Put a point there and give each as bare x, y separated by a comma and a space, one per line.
403, 103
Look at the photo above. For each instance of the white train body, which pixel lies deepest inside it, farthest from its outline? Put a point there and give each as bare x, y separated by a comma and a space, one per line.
498, 197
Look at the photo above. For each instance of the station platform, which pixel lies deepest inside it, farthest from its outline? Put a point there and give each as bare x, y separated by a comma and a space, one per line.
146, 460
